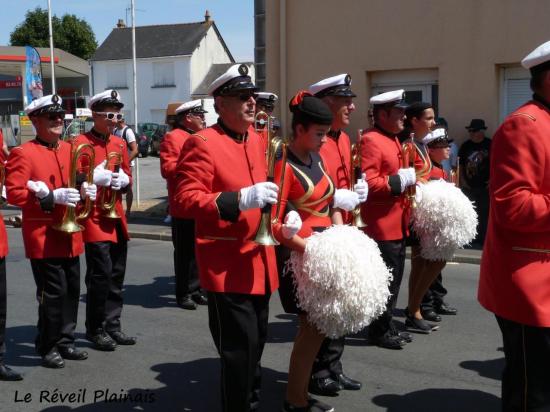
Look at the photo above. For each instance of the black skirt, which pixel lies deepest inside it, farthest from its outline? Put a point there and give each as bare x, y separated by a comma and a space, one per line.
287, 292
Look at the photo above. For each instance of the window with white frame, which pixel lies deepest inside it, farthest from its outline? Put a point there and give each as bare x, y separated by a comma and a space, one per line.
116, 76
163, 74
514, 89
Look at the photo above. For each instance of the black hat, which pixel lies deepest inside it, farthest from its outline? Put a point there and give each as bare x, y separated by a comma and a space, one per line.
310, 107
476, 124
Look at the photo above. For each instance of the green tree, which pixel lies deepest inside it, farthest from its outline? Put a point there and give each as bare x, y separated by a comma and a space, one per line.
70, 33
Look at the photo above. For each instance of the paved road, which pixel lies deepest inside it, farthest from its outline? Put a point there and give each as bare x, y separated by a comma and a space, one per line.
152, 185
174, 365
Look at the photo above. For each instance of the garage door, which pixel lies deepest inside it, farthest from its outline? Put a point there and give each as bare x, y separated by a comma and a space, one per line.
514, 89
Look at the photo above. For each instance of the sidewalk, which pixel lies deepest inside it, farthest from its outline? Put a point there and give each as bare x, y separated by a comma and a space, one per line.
143, 226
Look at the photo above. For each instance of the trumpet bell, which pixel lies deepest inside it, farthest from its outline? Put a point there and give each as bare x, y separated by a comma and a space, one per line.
358, 220
111, 214
68, 226
264, 236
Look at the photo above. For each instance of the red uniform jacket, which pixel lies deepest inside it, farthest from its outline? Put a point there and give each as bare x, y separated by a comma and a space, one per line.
515, 266
170, 150
227, 257
310, 196
33, 161
437, 172
384, 212
99, 228
336, 153
2, 155
3, 238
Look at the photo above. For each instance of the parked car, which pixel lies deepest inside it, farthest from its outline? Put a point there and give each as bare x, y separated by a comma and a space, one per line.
144, 137
157, 137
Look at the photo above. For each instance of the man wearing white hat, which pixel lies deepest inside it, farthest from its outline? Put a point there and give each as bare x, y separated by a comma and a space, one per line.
514, 281
106, 237
221, 183
327, 373
386, 211
37, 173
189, 119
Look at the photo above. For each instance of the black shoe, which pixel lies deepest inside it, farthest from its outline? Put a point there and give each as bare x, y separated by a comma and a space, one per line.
7, 374
431, 315
102, 341
315, 405
348, 383
186, 303
388, 341
406, 336
444, 309
324, 386
53, 359
288, 407
122, 339
418, 325
72, 353
200, 299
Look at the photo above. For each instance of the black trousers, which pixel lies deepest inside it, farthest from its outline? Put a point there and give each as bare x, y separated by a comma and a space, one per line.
3, 308
328, 361
480, 198
57, 291
526, 376
105, 270
238, 324
393, 254
185, 265
434, 295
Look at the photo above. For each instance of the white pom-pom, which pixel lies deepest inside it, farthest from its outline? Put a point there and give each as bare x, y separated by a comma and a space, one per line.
341, 280
444, 220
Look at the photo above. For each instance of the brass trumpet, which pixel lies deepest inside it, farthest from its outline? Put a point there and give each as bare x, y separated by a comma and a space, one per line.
356, 173
264, 234
69, 223
408, 151
114, 159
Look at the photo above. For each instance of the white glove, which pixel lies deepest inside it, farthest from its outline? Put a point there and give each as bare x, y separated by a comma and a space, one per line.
67, 196
361, 188
39, 188
292, 225
102, 176
418, 193
258, 196
345, 199
119, 180
407, 177
87, 190
4, 193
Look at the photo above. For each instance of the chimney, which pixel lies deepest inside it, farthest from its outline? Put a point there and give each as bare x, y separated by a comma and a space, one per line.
207, 16
120, 24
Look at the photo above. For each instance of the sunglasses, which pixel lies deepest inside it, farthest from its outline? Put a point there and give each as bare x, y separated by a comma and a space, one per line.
111, 115
52, 117
244, 97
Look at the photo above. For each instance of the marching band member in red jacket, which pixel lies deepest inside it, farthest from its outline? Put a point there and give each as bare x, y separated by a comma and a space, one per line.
327, 374
36, 180
189, 119
106, 238
221, 183
514, 282
386, 210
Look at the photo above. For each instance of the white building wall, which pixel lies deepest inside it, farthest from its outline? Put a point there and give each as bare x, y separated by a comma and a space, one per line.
210, 51
151, 100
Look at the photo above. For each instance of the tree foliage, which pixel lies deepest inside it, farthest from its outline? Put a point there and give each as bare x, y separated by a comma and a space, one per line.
70, 33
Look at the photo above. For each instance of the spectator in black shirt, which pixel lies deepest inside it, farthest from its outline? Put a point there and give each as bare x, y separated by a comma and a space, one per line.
474, 173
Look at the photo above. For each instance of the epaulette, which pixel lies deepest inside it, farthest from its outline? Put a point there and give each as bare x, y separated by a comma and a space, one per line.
201, 136
533, 118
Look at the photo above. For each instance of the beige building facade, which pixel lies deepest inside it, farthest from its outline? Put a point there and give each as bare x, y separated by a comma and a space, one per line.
461, 55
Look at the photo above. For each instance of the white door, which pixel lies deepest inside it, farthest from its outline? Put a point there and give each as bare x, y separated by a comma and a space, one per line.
515, 89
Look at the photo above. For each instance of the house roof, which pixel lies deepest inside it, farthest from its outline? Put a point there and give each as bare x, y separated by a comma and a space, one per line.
156, 41
216, 70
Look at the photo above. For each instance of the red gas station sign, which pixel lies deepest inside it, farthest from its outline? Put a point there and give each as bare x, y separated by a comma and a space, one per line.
11, 84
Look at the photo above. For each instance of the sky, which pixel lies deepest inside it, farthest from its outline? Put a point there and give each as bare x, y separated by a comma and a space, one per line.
235, 19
